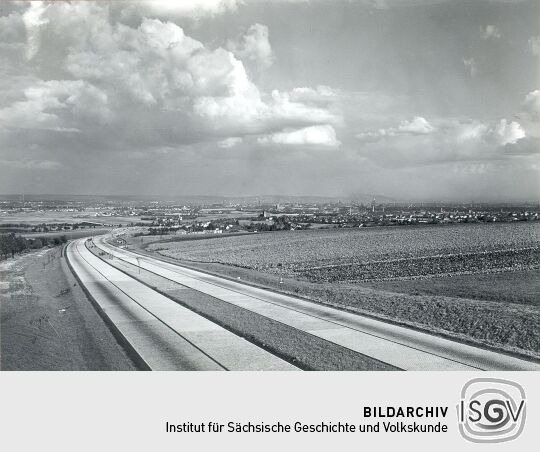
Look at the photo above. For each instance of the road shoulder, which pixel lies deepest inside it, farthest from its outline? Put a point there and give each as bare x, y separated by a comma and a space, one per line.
47, 322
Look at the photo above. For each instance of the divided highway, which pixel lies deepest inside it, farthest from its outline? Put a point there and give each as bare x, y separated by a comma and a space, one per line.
162, 334
396, 346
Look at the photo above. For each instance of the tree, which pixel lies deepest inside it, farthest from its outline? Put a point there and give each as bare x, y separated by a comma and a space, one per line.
12, 244
37, 243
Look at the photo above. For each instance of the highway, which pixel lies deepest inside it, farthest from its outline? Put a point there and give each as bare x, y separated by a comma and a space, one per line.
396, 346
162, 334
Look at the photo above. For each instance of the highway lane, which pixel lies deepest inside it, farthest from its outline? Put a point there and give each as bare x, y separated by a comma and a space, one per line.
163, 334
395, 345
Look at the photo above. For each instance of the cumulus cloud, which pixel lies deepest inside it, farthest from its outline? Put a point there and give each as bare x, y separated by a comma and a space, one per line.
230, 142
46, 104
284, 105
321, 135
320, 95
531, 104
417, 126
246, 108
254, 47
534, 45
192, 8
491, 32
151, 73
467, 131
34, 21
508, 132
139, 86
448, 140
500, 133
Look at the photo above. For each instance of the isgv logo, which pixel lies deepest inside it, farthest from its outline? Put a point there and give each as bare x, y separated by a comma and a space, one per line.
491, 410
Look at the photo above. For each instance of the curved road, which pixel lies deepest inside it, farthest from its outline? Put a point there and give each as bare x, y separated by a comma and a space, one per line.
161, 334
396, 346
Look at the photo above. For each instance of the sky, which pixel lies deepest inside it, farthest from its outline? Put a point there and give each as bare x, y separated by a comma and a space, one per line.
411, 99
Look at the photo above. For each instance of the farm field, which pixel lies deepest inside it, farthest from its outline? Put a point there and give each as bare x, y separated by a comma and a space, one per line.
70, 235
35, 218
520, 287
486, 300
372, 254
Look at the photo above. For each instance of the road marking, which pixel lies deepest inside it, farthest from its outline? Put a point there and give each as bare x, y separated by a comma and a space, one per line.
168, 335
395, 345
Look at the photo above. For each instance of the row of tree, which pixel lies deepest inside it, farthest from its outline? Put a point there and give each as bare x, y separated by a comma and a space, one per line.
279, 224
12, 244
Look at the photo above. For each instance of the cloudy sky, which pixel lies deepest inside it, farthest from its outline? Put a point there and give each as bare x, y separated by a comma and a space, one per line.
413, 99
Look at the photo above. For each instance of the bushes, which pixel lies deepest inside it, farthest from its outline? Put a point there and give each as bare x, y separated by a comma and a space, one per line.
36, 244
11, 244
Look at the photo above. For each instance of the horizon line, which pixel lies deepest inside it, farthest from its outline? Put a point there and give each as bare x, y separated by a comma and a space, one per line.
333, 197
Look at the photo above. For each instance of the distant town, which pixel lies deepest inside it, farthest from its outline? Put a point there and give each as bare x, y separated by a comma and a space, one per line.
34, 216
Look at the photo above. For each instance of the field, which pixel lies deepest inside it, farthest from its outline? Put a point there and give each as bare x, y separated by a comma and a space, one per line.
35, 218
372, 254
477, 283
520, 287
70, 235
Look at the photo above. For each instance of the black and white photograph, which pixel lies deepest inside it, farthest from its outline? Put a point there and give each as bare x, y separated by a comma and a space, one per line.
270, 185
